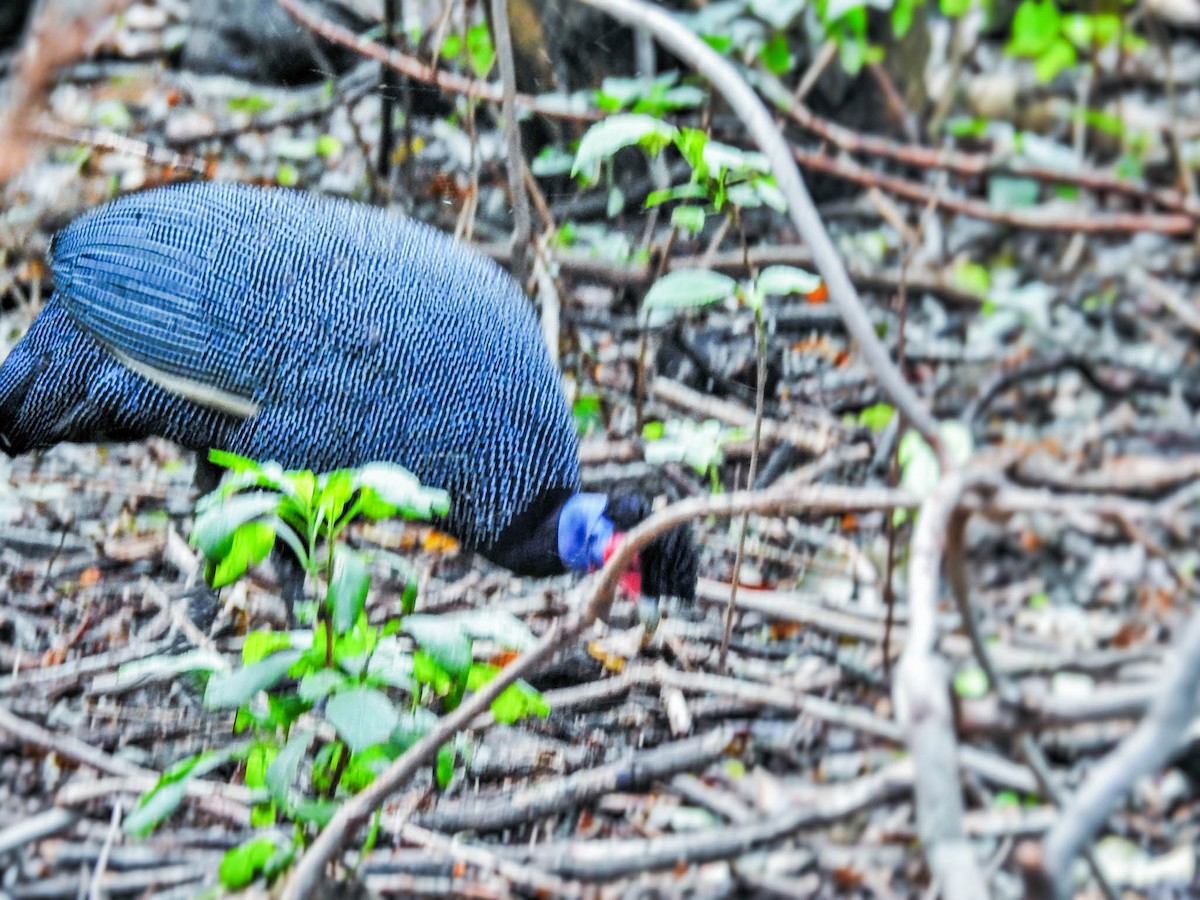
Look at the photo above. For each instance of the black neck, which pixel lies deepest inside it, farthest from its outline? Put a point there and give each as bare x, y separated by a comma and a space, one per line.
529, 545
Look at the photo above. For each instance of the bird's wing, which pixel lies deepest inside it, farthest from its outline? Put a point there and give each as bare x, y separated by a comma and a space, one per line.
158, 279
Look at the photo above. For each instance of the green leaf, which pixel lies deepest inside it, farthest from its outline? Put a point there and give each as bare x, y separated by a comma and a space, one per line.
242, 864
686, 96
328, 146
782, 280
452, 46
681, 192
287, 175
957, 441
251, 103
363, 717
588, 414
363, 767
281, 773
315, 812
616, 202
445, 640
1100, 120
970, 683
966, 126
316, 686
250, 545
261, 755
334, 490
605, 138
1035, 28
877, 417
1058, 56
954, 8
1006, 800
258, 645
759, 191
721, 157
689, 288
616, 94
112, 114
518, 701
391, 665
427, 670
552, 160
972, 276
264, 815
444, 766
386, 485
163, 799
515, 702
347, 594
232, 461
154, 808
232, 690
165, 665
285, 708
413, 726
1079, 29
480, 49
1106, 28
775, 54
688, 218
902, 16
690, 142
213, 533
696, 444
298, 149
722, 43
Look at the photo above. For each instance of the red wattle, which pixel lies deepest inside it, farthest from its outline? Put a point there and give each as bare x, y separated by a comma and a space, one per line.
631, 578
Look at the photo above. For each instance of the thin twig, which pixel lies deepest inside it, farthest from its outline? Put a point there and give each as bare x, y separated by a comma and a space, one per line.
515, 158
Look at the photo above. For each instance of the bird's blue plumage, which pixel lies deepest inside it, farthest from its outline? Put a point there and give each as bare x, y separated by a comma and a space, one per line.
356, 334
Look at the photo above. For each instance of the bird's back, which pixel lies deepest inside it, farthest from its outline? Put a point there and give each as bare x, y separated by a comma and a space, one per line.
353, 335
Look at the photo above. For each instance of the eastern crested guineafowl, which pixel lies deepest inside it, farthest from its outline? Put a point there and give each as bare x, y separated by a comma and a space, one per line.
320, 334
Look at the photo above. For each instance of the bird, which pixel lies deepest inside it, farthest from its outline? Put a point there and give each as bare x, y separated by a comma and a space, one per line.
321, 333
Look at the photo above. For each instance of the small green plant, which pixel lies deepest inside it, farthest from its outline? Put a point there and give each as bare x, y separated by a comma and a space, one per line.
700, 446
1053, 39
759, 28
654, 96
475, 47
722, 175
319, 706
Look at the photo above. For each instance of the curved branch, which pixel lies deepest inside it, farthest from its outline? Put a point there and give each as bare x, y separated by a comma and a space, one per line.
922, 699
749, 108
